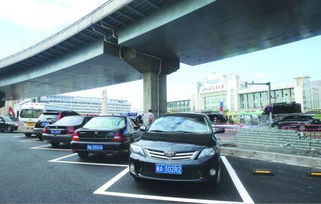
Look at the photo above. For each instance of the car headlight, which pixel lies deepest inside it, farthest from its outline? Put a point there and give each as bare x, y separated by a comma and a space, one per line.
207, 152
137, 149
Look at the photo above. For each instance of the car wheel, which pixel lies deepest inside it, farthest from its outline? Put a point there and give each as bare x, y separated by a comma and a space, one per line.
9, 129
40, 137
28, 134
55, 144
83, 155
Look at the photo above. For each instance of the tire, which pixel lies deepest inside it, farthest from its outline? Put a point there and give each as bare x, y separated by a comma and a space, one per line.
28, 134
55, 144
83, 155
40, 137
9, 129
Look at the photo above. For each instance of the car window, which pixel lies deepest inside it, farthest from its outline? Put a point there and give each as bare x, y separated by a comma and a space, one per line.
181, 123
9, 118
106, 123
70, 120
30, 113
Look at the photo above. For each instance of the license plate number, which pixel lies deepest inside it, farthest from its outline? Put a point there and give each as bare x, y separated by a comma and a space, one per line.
55, 132
94, 147
44, 123
30, 124
168, 169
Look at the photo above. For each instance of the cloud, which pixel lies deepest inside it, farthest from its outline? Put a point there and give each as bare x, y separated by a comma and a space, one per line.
46, 14
259, 75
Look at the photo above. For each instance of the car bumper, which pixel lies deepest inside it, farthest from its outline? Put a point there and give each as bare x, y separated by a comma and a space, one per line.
37, 130
57, 138
108, 147
192, 170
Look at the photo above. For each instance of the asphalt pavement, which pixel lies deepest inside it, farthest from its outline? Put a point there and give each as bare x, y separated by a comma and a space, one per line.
34, 172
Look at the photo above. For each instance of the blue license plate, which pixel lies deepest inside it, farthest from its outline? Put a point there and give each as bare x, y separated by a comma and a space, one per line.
44, 123
94, 147
55, 132
168, 169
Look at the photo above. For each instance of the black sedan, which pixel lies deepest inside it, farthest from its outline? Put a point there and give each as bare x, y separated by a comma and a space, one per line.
63, 129
106, 135
177, 147
8, 124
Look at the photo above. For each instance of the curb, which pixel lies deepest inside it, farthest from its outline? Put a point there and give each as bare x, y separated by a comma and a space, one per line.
297, 160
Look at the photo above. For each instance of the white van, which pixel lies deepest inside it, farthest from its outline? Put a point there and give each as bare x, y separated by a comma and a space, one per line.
29, 114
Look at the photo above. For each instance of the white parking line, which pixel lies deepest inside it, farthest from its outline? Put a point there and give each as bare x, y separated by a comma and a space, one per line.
237, 182
28, 140
239, 186
19, 136
48, 147
58, 160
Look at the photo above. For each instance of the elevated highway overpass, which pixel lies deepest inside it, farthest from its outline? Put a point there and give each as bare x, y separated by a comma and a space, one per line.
126, 40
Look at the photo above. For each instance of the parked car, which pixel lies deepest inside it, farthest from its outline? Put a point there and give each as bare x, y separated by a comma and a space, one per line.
299, 120
177, 147
63, 130
48, 118
105, 135
8, 123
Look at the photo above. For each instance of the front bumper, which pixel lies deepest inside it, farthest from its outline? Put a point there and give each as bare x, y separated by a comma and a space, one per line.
108, 147
66, 138
192, 170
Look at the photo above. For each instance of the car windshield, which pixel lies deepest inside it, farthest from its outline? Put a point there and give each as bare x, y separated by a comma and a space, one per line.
106, 123
193, 124
31, 113
9, 118
49, 116
70, 121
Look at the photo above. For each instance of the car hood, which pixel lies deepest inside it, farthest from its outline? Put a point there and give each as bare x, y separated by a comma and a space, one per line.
163, 146
181, 138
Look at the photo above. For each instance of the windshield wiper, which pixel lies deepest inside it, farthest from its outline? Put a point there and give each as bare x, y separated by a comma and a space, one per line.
181, 131
157, 131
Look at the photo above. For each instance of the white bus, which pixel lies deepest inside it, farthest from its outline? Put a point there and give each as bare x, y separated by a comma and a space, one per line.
29, 114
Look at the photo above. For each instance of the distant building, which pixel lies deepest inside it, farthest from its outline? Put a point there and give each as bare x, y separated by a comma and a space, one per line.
179, 106
87, 105
228, 91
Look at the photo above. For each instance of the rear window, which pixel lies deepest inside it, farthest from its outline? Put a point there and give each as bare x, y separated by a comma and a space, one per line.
30, 113
106, 123
49, 116
70, 121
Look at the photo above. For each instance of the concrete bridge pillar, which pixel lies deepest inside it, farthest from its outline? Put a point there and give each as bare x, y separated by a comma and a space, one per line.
154, 70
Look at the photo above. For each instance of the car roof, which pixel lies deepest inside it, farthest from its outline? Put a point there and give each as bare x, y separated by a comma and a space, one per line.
185, 114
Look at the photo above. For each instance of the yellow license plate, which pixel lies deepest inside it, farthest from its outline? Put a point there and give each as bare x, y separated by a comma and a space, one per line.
30, 124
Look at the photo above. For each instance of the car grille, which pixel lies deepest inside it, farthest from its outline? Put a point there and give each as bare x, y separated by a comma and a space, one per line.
177, 156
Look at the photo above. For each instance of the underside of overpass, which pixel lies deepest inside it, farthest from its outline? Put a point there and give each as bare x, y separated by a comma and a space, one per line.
146, 39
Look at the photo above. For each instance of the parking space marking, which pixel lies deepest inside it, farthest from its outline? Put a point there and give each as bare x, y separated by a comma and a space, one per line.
46, 147
29, 140
239, 186
59, 160
237, 182
19, 136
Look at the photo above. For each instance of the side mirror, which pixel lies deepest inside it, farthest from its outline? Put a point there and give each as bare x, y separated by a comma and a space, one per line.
142, 128
219, 130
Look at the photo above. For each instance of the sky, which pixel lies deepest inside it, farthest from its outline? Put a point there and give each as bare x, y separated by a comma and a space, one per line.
34, 20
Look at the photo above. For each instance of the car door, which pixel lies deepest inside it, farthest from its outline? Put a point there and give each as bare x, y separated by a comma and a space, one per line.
2, 124
134, 130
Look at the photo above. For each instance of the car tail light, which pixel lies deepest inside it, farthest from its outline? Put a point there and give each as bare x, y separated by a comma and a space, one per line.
44, 130
118, 137
59, 116
70, 130
75, 136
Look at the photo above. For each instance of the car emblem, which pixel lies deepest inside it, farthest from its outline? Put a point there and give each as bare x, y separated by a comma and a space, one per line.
169, 153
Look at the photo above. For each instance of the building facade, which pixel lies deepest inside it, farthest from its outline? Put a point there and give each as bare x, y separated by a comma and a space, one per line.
87, 105
179, 106
228, 91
